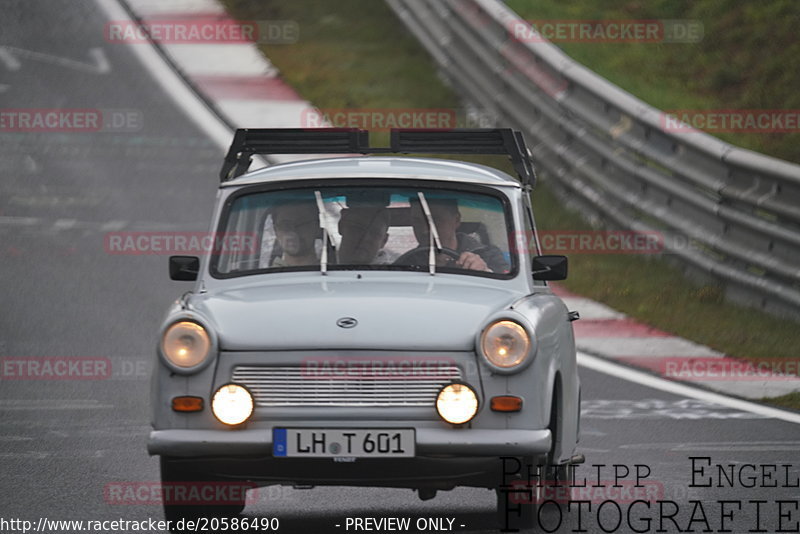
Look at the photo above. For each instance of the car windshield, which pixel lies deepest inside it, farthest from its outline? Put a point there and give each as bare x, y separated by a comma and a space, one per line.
367, 227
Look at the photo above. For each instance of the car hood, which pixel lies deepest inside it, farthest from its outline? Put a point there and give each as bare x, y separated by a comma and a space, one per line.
390, 316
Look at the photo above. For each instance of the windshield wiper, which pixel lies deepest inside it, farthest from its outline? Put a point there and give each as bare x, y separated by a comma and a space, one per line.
323, 223
434, 243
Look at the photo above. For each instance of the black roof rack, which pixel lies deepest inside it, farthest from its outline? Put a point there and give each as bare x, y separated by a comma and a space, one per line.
248, 142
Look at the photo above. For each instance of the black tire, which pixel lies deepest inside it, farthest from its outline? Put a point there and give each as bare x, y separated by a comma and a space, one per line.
556, 481
173, 472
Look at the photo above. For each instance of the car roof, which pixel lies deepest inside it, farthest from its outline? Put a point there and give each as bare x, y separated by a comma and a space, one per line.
378, 167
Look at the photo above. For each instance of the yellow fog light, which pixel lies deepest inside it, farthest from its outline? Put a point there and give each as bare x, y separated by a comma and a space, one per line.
186, 344
505, 344
457, 403
232, 404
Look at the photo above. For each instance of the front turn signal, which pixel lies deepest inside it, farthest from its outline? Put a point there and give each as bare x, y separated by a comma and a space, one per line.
187, 404
506, 403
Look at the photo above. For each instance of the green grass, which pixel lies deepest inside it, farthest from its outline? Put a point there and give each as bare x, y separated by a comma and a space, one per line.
340, 60
356, 54
792, 401
749, 57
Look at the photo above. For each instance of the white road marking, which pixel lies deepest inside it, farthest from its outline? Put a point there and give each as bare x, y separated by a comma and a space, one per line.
753, 389
8, 59
172, 84
657, 347
172, 7
176, 87
113, 226
100, 60
591, 432
29, 455
681, 409
99, 64
61, 454
746, 446
255, 113
645, 379
18, 221
64, 224
31, 165
591, 310
220, 59
767, 446
53, 404
101, 226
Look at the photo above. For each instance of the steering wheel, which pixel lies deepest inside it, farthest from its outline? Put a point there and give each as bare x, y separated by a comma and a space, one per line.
404, 258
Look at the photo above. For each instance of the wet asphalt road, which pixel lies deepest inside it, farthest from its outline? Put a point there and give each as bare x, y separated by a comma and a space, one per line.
64, 295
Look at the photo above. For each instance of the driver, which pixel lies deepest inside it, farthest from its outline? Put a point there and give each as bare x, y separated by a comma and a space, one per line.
473, 254
296, 230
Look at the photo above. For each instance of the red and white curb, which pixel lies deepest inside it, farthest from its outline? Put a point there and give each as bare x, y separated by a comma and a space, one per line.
243, 85
248, 92
610, 334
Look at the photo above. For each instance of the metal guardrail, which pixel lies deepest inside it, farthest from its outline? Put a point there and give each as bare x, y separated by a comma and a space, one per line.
726, 212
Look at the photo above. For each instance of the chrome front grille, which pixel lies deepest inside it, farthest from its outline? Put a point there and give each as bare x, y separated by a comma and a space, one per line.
296, 386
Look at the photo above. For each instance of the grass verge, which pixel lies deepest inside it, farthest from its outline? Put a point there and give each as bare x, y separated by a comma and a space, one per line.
792, 400
748, 57
355, 54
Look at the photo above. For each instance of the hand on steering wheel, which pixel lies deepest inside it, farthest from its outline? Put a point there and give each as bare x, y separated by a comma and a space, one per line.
419, 251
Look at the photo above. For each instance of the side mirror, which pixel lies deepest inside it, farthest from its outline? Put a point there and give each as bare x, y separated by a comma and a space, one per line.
184, 268
549, 267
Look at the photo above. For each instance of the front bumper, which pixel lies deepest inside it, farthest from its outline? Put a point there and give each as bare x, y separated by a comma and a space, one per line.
429, 442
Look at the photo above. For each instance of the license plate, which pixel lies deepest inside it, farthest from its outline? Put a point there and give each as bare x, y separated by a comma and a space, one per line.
331, 443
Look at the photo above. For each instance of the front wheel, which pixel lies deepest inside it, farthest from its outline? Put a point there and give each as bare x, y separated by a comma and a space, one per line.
181, 488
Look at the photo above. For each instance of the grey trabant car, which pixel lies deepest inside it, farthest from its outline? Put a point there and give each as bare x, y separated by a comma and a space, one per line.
369, 320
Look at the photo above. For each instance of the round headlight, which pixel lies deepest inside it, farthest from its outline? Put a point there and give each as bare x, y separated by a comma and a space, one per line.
186, 344
232, 404
457, 403
505, 344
